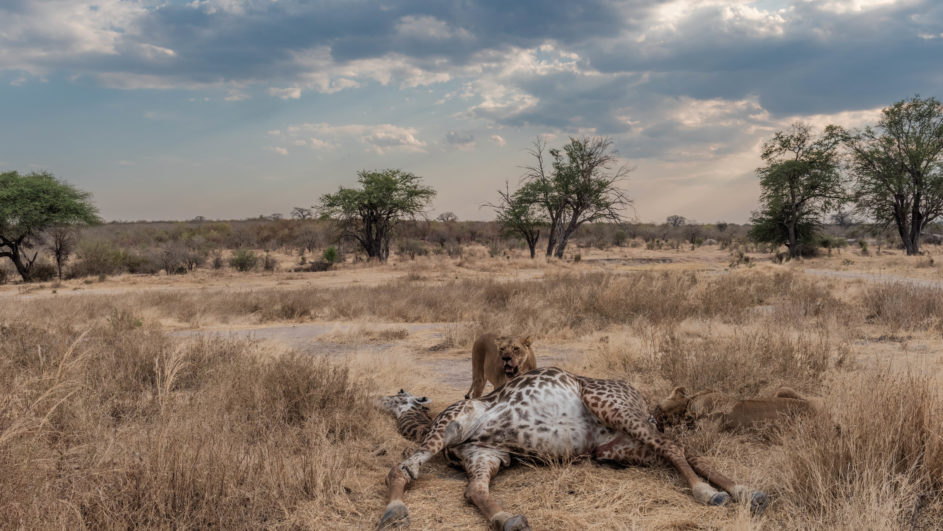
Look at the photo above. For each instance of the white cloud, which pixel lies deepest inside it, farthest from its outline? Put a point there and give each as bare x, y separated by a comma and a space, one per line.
428, 28
289, 93
379, 138
43, 34
321, 145
855, 6
499, 140
236, 95
280, 150
318, 71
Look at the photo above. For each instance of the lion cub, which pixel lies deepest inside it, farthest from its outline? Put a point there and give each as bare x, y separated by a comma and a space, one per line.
498, 359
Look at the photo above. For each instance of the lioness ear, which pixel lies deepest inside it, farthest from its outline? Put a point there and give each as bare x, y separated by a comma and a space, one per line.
527, 341
679, 392
424, 400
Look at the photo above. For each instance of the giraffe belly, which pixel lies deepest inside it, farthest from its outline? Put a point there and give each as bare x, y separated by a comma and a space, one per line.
544, 423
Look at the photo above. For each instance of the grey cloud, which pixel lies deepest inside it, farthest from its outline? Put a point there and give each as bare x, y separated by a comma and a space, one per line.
459, 138
811, 60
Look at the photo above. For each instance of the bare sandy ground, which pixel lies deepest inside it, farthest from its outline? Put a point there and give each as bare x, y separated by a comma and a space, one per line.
428, 344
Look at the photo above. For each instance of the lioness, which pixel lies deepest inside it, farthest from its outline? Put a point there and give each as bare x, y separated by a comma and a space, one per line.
728, 413
498, 359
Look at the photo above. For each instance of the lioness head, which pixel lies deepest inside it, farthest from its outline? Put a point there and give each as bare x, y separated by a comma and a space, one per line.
401, 403
671, 410
513, 351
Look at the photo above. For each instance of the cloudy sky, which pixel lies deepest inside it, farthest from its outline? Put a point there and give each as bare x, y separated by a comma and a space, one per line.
235, 108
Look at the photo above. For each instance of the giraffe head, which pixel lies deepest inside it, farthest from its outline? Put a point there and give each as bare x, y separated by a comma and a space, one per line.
402, 402
513, 351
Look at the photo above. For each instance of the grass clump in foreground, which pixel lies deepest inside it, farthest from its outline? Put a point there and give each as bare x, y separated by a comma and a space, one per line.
121, 428
878, 466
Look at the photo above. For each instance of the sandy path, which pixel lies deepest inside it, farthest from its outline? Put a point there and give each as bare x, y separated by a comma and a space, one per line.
876, 278
427, 343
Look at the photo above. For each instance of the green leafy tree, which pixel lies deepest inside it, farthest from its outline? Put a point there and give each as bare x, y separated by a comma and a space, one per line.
519, 215
581, 185
369, 214
898, 168
32, 203
800, 182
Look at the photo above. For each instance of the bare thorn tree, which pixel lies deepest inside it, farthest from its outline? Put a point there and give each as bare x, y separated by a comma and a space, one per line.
581, 185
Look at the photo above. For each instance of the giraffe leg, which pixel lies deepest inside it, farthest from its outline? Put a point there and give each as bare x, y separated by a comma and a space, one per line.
447, 430
741, 493
621, 407
481, 465
627, 452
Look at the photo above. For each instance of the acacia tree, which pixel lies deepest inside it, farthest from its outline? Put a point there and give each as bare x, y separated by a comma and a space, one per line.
675, 220
518, 214
898, 167
581, 185
801, 181
301, 213
31, 203
369, 214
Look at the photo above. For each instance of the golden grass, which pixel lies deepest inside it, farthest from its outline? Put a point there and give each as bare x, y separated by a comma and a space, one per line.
127, 426
120, 428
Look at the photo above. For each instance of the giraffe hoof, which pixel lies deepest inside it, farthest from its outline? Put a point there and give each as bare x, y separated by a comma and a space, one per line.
759, 502
396, 515
721, 498
516, 523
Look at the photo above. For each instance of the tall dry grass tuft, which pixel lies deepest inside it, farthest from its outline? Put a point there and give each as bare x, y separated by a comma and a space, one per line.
124, 428
880, 468
748, 361
904, 307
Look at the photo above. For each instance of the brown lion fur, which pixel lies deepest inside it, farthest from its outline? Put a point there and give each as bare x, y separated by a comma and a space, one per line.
729, 413
497, 359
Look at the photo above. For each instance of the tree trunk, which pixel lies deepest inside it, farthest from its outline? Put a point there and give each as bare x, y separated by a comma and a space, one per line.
552, 234
916, 224
791, 242
551, 241
25, 269
903, 228
571, 227
532, 243
562, 246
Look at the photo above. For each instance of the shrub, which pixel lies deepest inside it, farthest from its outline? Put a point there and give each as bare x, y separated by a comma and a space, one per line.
243, 260
269, 263
141, 263
412, 249
619, 238
42, 272
331, 255
97, 257
218, 259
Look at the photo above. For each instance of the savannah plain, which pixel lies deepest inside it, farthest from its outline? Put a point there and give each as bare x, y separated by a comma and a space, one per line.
235, 400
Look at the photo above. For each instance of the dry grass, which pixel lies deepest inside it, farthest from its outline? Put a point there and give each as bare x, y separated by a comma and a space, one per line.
120, 428
126, 426
904, 307
881, 469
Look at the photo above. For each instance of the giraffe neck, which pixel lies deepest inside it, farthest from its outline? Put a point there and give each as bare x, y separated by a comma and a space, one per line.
414, 424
